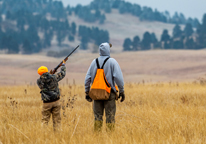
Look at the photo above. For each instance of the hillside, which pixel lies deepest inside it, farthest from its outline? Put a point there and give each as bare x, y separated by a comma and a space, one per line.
121, 26
155, 65
29, 27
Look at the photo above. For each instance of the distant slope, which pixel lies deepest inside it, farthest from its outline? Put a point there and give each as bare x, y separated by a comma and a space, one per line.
121, 26
154, 65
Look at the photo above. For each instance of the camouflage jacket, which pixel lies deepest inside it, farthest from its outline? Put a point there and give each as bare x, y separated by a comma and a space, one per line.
49, 85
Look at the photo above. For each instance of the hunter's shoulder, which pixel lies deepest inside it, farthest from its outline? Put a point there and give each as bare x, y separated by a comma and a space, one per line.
112, 60
93, 61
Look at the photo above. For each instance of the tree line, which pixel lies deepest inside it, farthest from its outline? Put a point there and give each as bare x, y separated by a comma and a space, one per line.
21, 31
26, 27
144, 13
92, 12
187, 38
30, 25
93, 34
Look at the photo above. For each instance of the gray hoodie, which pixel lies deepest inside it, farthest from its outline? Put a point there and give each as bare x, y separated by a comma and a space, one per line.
112, 70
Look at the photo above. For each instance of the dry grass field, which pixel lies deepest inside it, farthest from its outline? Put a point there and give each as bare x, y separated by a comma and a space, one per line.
163, 103
152, 113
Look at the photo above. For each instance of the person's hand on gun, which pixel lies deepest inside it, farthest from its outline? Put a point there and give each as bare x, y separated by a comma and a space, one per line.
64, 62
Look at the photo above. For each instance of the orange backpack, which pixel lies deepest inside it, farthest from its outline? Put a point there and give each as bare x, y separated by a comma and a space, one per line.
100, 89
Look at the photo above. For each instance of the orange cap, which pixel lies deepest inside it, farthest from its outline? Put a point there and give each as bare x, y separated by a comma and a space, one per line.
42, 70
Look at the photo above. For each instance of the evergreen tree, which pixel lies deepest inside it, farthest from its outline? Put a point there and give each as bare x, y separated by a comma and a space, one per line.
84, 42
136, 43
57, 9
32, 34
8, 15
178, 44
182, 18
159, 16
136, 10
146, 41
195, 23
73, 28
116, 4
71, 38
190, 44
188, 30
167, 44
8, 41
175, 19
167, 15
122, 8
154, 38
48, 36
127, 44
147, 14
66, 24
0, 18
97, 13
177, 32
165, 36
27, 48
204, 29
44, 24
154, 41
107, 8
20, 23
102, 19
60, 37
13, 46
202, 33
2, 34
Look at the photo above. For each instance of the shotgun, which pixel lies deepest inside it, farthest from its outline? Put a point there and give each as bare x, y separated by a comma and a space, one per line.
60, 64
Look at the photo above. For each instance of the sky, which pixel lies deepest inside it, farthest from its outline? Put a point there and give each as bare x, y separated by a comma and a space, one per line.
190, 8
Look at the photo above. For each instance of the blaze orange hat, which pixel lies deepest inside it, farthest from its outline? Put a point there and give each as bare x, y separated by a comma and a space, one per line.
42, 70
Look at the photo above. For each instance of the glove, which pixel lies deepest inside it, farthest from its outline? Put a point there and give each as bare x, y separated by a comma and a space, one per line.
122, 95
64, 62
87, 97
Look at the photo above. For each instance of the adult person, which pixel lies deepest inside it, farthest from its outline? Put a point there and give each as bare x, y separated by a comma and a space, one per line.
50, 94
113, 76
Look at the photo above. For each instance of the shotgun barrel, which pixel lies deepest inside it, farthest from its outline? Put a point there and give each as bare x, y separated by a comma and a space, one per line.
60, 64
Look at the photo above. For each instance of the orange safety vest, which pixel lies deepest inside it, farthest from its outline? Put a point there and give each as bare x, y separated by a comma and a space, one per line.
100, 89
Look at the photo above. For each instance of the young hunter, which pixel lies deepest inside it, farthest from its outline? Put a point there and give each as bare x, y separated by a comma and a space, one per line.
50, 95
113, 75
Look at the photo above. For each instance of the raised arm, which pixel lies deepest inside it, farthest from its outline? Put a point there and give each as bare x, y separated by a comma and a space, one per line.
61, 74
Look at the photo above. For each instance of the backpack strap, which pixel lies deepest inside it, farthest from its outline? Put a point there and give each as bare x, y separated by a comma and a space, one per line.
104, 62
97, 62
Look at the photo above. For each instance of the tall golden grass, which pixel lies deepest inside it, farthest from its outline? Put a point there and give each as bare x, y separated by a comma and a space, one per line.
151, 113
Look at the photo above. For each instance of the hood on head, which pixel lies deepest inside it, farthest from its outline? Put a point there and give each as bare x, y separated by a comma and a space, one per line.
104, 49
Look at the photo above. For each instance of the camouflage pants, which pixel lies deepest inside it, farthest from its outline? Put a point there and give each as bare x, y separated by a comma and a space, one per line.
109, 106
54, 109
